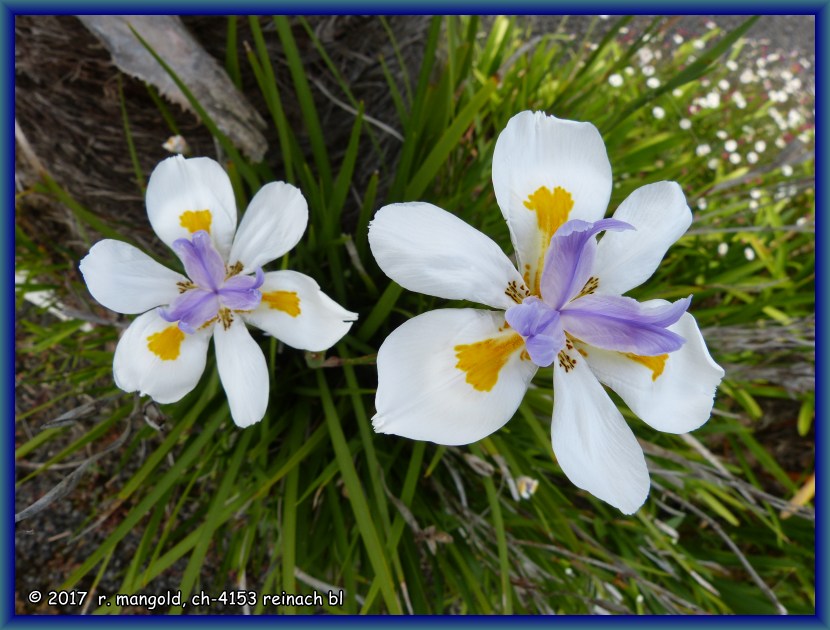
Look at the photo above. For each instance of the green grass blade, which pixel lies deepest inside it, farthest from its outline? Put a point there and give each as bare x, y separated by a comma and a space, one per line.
357, 498
267, 80
232, 53
306, 100
128, 136
448, 142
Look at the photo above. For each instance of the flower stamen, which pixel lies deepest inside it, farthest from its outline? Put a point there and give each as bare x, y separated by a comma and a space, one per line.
185, 285
516, 293
590, 287
566, 361
226, 317
234, 269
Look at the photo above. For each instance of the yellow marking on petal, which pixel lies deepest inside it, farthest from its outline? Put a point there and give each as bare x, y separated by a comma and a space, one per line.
195, 220
655, 364
483, 360
526, 274
166, 344
552, 209
286, 301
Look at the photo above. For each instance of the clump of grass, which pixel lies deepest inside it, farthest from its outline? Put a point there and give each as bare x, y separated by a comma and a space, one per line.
311, 498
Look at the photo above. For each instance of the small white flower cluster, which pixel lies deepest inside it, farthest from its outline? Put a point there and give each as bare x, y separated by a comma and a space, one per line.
711, 101
768, 76
755, 195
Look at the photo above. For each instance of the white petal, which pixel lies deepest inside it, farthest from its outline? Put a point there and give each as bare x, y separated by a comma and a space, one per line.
594, 446
534, 156
155, 358
423, 394
243, 372
185, 195
273, 223
126, 280
675, 396
626, 259
297, 312
426, 249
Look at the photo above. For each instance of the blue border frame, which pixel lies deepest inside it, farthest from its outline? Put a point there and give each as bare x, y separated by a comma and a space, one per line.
7, 12
7, 319
822, 560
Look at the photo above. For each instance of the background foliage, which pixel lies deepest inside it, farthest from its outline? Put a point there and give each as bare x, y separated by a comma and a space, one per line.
311, 498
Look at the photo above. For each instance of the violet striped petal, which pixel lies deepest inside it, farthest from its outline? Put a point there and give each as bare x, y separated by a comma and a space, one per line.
192, 309
203, 264
540, 326
570, 258
241, 293
623, 324
246, 282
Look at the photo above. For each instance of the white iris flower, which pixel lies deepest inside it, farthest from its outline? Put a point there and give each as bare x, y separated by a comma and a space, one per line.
454, 376
163, 352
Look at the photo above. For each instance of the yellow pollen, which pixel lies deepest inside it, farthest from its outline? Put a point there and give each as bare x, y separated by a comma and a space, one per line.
167, 344
655, 364
552, 210
286, 301
195, 220
482, 361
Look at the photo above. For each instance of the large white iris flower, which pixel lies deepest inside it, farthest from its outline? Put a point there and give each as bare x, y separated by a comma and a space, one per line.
191, 207
454, 376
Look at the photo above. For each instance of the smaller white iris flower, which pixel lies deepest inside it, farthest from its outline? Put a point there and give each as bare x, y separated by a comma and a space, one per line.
191, 206
454, 376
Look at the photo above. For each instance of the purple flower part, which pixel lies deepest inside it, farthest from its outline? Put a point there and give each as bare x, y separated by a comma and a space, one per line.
539, 325
203, 264
623, 324
570, 258
241, 293
192, 309
244, 283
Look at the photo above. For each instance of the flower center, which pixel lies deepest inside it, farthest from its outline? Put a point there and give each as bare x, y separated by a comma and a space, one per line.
541, 327
215, 291
570, 309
